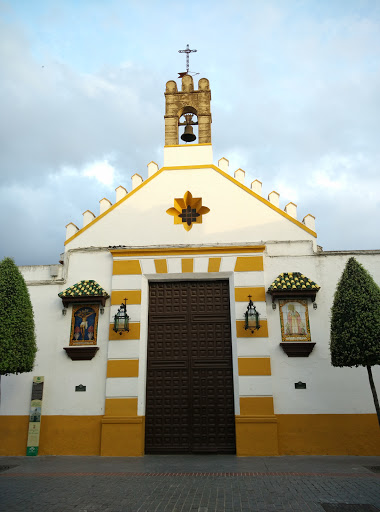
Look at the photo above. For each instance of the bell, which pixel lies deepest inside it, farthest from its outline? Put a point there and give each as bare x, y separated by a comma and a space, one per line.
188, 135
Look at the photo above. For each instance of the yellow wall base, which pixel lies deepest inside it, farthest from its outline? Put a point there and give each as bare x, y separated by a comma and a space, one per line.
284, 434
328, 434
59, 435
123, 436
256, 435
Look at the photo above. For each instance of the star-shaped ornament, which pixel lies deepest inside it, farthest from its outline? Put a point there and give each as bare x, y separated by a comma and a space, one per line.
188, 211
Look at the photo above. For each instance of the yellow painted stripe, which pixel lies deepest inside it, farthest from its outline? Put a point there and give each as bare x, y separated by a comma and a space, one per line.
118, 296
121, 407
214, 264
126, 267
133, 334
122, 368
192, 167
242, 333
257, 293
254, 366
161, 266
183, 251
249, 263
187, 265
256, 405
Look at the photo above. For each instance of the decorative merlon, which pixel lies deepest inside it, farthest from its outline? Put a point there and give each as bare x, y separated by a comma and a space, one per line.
136, 180
223, 164
274, 198
71, 229
120, 192
256, 187
239, 175
309, 221
104, 205
152, 168
291, 209
88, 217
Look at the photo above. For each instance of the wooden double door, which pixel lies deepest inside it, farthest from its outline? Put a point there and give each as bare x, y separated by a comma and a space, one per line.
189, 389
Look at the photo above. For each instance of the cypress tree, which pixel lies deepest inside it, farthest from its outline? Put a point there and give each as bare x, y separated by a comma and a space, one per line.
17, 334
355, 322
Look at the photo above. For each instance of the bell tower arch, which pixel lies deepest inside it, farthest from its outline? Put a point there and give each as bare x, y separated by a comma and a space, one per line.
184, 103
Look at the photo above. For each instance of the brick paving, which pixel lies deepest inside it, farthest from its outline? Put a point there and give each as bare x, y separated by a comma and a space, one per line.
212, 483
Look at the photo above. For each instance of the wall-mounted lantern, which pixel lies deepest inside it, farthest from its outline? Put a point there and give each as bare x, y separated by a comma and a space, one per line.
252, 322
121, 321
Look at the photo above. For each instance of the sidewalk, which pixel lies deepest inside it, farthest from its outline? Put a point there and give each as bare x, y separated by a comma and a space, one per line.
196, 483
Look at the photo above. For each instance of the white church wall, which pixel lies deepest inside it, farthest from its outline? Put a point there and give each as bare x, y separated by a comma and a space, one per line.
235, 215
329, 390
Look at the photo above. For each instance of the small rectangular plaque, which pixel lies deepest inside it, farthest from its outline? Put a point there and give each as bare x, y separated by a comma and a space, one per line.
300, 385
80, 388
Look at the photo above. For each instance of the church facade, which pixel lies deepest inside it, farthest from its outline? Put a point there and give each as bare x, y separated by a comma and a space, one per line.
190, 316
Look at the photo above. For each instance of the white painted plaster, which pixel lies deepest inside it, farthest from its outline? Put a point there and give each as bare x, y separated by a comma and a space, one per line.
104, 205
291, 209
221, 225
118, 387
136, 180
152, 168
309, 221
274, 198
71, 229
174, 265
148, 266
249, 278
288, 248
255, 385
88, 217
36, 273
253, 347
123, 349
256, 186
126, 282
227, 264
239, 175
201, 264
120, 192
60, 372
223, 164
187, 155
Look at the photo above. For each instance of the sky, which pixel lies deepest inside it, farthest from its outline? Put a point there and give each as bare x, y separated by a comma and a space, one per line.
295, 103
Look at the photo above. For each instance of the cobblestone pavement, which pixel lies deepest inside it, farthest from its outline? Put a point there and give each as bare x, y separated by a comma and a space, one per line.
204, 483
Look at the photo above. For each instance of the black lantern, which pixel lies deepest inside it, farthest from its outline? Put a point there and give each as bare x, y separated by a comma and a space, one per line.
121, 321
251, 317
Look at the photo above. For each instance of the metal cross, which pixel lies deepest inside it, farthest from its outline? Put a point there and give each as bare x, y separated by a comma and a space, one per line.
187, 51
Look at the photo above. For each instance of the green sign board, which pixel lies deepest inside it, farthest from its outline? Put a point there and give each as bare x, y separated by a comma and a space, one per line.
35, 416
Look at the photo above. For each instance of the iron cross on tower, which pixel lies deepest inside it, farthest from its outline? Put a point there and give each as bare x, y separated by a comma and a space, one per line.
187, 51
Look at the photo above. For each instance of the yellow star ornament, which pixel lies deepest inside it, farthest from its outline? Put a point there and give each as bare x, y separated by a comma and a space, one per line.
188, 211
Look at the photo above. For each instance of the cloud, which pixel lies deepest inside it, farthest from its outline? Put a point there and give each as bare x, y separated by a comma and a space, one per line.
294, 102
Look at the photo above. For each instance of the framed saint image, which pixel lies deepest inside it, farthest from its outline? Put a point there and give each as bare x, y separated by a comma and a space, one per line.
294, 318
84, 324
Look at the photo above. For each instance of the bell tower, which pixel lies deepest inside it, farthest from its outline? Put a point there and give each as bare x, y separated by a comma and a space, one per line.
193, 106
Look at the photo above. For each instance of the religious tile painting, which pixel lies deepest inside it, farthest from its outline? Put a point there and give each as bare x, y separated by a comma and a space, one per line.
84, 324
294, 318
